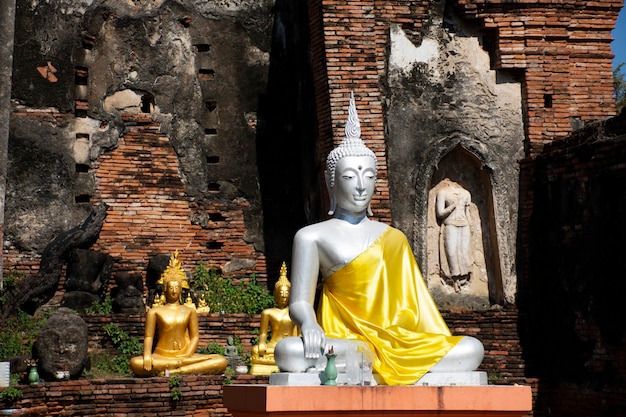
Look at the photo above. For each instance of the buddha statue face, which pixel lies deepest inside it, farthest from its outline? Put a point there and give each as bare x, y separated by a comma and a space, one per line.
351, 169
355, 180
172, 291
281, 296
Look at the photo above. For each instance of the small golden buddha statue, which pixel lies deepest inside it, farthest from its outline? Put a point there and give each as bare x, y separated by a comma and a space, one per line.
189, 302
178, 334
202, 306
276, 321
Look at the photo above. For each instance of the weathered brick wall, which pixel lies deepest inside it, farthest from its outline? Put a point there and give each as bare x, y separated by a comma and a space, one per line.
201, 395
564, 51
561, 52
151, 213
573, 235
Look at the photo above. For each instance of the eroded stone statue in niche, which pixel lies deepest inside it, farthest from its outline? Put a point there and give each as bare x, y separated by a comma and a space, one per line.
178, 334
452, 207
373, 294
275, 324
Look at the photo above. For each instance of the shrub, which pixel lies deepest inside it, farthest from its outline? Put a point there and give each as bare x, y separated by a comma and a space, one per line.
224, 295
18, 334
104, 307
212, 348
127, 345
11, 394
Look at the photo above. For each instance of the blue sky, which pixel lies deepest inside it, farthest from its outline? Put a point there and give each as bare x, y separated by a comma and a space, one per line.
619, 43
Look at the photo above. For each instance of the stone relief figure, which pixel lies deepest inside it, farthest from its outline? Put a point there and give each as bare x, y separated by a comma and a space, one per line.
276, 324
452, 208
231, 352
373, 294
178, 334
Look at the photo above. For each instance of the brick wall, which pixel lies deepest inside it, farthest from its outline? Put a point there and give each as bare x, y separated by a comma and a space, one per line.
564, 50
573, 234
561, 52
150, 212
201, 395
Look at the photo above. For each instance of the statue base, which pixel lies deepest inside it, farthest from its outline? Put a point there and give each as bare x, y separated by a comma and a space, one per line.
435, 379
304, 379
397, 401
443, 379
263, 369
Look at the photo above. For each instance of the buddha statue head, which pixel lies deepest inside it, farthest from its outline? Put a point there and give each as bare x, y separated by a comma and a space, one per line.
173, 280
351, 146
282, 288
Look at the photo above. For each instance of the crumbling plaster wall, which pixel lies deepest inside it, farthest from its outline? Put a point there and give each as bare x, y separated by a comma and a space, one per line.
443, 95
197, 67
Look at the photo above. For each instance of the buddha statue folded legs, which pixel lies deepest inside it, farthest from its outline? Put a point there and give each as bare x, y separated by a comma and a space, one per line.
178, 335
276, 322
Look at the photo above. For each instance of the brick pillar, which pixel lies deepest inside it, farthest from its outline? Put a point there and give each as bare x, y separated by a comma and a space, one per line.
7, 28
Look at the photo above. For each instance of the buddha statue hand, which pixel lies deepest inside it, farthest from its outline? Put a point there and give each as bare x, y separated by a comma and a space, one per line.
147, 363
261, 349
314, 340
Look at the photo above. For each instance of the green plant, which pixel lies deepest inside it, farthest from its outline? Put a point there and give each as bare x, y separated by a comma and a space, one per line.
105, 365
9, 282
174, 384
122, 341
127, 345
224, 295
212, 348
173, 381
11, 394
104, 307
255, 340
17, 334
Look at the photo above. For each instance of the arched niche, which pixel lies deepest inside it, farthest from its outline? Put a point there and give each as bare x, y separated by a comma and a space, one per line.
463, 233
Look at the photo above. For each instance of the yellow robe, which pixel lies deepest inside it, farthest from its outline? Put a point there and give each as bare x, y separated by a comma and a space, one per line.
381, 298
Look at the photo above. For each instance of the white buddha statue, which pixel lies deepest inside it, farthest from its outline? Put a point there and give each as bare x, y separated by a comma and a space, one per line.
373, 293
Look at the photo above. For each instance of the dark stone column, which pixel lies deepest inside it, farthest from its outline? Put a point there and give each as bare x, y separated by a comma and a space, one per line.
7, 29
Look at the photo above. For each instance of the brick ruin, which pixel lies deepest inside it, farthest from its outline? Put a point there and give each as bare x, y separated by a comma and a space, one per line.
203, 127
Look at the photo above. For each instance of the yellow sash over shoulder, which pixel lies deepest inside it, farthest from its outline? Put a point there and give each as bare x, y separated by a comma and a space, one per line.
381, 298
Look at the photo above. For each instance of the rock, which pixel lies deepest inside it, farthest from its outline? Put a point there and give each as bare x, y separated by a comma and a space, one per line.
79, 300
62, 345
88, 271
129, 300
124, 279
156, 266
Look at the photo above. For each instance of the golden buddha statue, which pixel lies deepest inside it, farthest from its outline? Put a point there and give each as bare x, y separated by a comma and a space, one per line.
277, 321
189, 302
178, 334
202, 306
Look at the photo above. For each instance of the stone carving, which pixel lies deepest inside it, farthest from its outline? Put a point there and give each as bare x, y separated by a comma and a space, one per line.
128, 296
62, 345
452, 206
458, 240
231, 352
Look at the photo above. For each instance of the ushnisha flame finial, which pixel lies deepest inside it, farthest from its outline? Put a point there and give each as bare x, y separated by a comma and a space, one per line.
352, 145
353, 126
